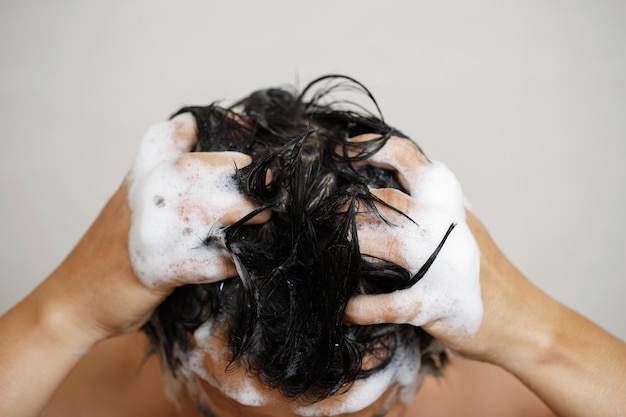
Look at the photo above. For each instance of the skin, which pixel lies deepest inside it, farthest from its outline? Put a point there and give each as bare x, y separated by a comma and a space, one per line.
116, 379
94, 294
448, 296
217, 383
83, 318
574, 366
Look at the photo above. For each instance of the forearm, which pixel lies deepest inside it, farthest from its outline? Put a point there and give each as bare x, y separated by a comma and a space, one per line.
574, 366
39, 346
95, 293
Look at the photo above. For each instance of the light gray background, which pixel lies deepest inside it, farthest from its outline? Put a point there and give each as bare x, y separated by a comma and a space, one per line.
524, 100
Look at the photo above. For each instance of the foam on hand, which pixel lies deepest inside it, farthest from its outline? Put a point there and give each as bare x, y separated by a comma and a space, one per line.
178, 200
449, 293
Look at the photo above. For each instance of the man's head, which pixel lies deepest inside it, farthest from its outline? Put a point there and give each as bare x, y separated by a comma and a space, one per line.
280, 321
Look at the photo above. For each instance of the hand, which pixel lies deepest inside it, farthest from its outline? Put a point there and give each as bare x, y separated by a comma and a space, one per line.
446, 301
176, 198
180, 202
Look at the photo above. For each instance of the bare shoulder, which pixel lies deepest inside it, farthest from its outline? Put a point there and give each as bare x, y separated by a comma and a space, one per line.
115, 378
471, 388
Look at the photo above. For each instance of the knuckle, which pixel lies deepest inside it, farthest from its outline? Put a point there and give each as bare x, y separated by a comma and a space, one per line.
184, 126
403, 146
186, 160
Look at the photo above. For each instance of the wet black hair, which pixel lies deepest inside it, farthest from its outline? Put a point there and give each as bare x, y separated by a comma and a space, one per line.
284, 312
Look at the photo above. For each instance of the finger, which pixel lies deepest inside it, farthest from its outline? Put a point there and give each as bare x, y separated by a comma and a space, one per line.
396, 199
213, 162
365, 137
214, 173
403, 156
206, 267
211, 172
242, 209
429, 183
399, 209
227, 160
382, 308
353, 151
384, 244
164, 142
382, 234
398, 154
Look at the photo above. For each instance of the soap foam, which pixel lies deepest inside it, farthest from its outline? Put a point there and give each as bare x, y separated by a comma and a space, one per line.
211, 349
209, 358
177, 200
403, 372
450, 290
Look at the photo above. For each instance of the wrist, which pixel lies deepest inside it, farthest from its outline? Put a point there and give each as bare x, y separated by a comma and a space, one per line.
531, 339
39, 347
520, 323
65, 322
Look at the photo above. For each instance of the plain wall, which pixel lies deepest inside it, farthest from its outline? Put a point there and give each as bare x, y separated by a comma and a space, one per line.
524, 100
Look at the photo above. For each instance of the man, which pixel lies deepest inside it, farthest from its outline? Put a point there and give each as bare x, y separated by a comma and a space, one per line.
363, 203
